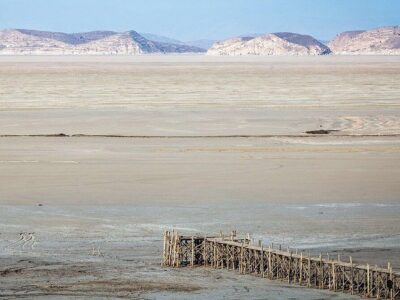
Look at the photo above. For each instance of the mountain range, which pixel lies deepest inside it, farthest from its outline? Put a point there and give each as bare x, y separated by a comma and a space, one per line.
380, 41
22, 41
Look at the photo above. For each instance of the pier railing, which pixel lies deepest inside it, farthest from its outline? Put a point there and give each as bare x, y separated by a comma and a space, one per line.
241, 255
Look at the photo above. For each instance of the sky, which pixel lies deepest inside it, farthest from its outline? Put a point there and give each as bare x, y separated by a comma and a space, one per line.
189, 20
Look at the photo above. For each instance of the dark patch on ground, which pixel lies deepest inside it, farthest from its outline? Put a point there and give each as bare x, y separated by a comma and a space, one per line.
321, 131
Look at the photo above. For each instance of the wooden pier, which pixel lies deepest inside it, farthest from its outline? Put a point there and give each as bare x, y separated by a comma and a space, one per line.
242, 255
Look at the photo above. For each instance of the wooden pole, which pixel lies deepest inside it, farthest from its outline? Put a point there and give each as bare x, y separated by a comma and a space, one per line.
241, 260
164, 245
214, 255
205, 251
301, 268
309, 270
270, 263
179, 253
321, 272
334, 276
290, 266
351, 276
262, 261
227, 257
233, 257
343, 270
329, 275
192, 258
368, 281
173, 249
392, 282
171, 242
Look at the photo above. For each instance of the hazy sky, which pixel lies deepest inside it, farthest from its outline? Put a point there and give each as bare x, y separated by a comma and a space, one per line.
201, 19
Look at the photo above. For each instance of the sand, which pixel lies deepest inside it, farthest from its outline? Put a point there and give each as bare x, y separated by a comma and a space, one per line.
106, 200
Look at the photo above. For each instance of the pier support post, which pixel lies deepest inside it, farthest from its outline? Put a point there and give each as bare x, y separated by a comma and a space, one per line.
351, 276
391, 278
205, 251
290, 267
321, 273
309, 271
334, 282
192, 257
270, 263
301, 268
262, 261
164, 248
368, 282
241, 260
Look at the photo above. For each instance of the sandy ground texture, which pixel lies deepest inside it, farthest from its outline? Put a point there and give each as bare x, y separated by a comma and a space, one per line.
206, 144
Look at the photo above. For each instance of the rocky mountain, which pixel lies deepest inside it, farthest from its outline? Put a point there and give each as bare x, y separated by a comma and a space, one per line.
25, 42
384, 40
281, 43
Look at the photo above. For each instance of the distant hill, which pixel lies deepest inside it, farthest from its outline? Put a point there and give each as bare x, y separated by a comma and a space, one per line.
161, 39
203, 44
25, 42
384, 40
281, 43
